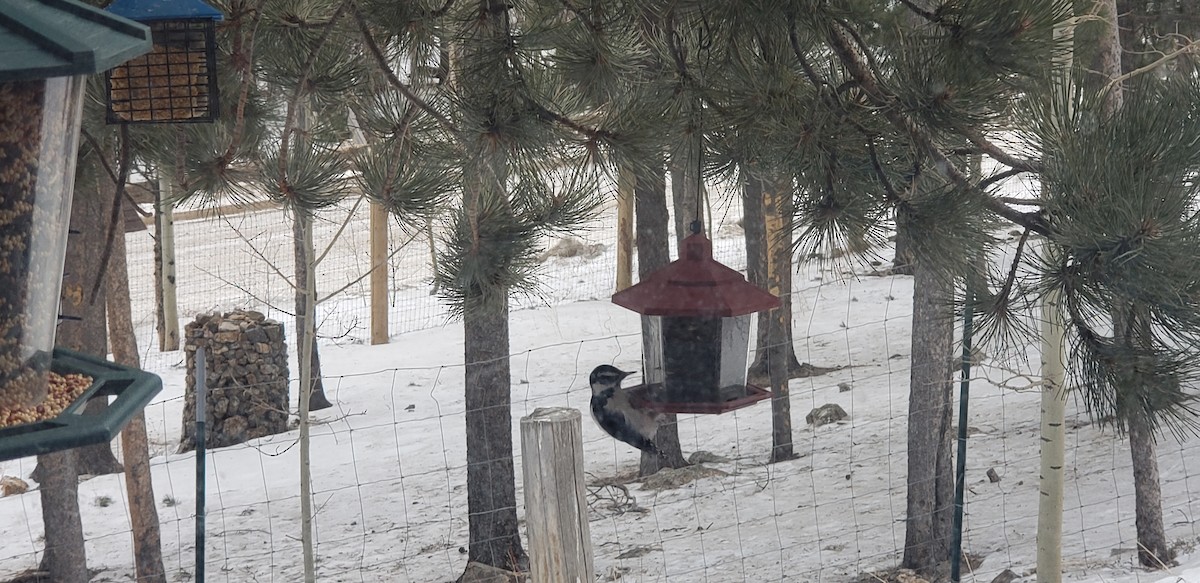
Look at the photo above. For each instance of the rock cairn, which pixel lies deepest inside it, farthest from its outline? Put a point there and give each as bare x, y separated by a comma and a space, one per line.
247, 378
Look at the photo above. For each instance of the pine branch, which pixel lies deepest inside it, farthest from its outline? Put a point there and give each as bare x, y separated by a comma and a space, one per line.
1021, 201
879, 173
927, 15
809, 71
244, 56
1190, 47
393, 80
289, 122
845, 50
984, 184
997, 154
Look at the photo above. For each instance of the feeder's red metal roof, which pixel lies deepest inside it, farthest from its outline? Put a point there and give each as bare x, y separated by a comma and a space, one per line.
695, 285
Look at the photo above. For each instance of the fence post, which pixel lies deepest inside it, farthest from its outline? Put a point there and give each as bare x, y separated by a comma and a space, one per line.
379, 274
560, 544
626, 180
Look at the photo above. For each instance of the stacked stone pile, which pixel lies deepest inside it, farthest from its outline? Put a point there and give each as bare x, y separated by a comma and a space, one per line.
247, 378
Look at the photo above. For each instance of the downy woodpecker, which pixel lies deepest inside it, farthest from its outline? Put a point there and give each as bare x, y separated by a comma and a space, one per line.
616, 415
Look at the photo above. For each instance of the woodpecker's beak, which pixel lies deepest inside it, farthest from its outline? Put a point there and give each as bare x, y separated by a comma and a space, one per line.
626, 373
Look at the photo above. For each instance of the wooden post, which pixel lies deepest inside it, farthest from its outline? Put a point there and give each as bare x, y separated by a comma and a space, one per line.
169, 340
379, 274
626, 181
556, 513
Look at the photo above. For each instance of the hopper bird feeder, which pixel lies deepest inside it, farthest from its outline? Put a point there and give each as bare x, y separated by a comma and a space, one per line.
698, 312
47, 48
177, 81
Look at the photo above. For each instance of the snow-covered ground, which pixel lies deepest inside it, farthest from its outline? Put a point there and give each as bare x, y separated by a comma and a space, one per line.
389, 460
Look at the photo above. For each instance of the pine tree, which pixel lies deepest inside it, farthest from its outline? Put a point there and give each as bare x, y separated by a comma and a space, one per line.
498, 140
871, 119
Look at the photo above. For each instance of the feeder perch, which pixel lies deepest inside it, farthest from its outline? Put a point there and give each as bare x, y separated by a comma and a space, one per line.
698, 315
132, 388
47, 48
177, 81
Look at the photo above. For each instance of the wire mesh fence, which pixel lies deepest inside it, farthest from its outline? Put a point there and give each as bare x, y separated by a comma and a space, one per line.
389, 460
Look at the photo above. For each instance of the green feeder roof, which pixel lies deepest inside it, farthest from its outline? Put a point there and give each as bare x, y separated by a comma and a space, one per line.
60, 38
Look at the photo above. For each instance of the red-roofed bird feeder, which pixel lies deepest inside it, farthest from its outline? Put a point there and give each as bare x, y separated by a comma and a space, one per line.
698, 312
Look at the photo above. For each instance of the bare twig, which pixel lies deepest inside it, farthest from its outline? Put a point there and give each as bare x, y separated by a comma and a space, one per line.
1190, 47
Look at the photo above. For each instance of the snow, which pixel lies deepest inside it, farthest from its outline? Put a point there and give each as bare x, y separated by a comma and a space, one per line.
389, 459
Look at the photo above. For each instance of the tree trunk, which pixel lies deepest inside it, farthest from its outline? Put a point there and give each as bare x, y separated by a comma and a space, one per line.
1054, 394
686, 191
82, 329
625, 183
754, 224
82, 325
654, 252
902, 262
302, 253
1153, 550
777, 210
754, 228
491, 487
164, 262
930, 504
302, 247
1131, 326
1053, 435
64, 560
143, 512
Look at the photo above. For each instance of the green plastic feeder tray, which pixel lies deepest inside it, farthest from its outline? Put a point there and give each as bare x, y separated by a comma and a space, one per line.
132, 388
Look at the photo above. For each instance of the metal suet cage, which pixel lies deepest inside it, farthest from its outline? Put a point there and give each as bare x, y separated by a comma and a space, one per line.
176, 82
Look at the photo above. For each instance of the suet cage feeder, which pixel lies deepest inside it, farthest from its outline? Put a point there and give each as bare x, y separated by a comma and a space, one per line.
47, 49
176, 82
698, 313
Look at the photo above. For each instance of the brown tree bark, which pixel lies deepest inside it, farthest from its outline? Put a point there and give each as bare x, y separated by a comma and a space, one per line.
686, 190
82, 326
930, 503
902, 261
654, 252
777, 211
1131, 324
1153, 550
754, 226
65, 560
491, 478
143, 512
302, 249
302, 252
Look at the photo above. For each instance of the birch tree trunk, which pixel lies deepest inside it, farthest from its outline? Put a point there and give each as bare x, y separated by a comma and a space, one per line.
306, 350
1054, 401
164, 262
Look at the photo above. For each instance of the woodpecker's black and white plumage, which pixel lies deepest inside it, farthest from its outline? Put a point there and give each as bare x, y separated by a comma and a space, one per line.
616, 415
